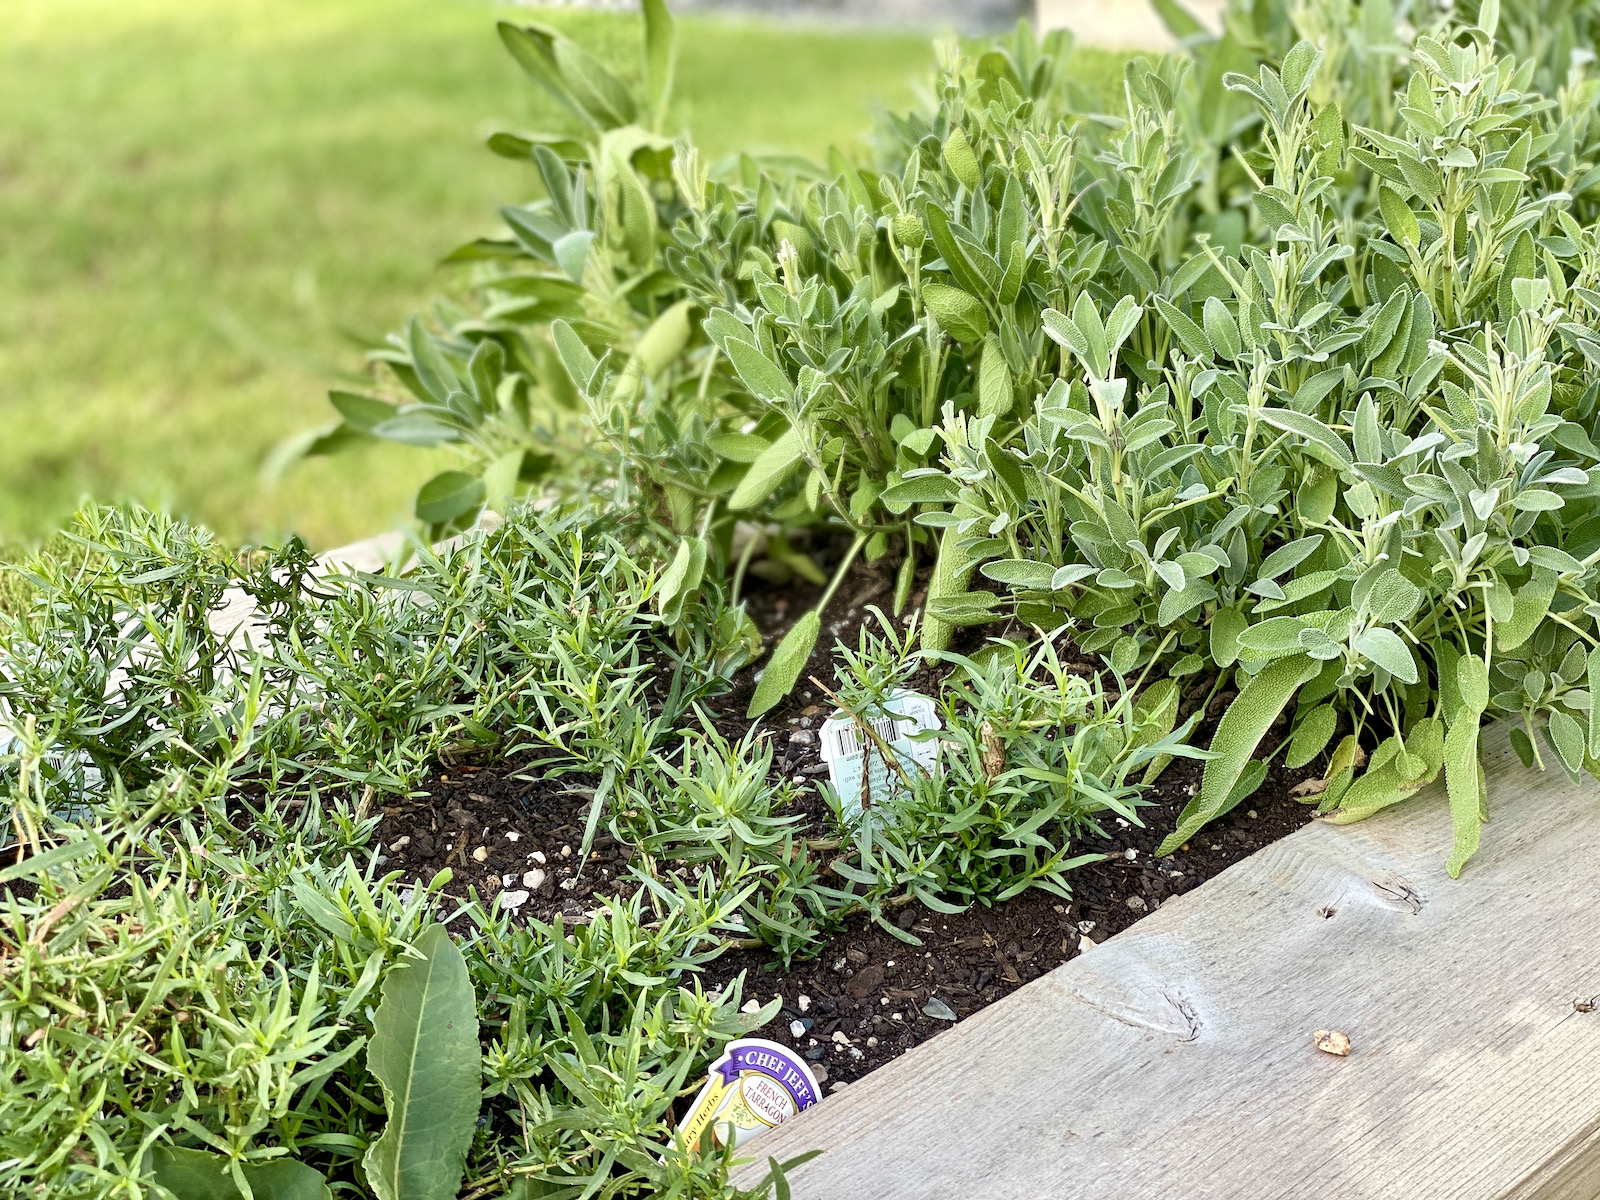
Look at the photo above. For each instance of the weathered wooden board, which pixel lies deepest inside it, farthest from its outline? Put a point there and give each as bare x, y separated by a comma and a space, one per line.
1176, 1059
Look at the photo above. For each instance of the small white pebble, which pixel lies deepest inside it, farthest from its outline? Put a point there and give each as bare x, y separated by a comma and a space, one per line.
1137, 903
513, 900
400, 843
1130, 853
890, 963
872, 1041
1058, 908
839, 1037
796, 1029
839, 1085
1085, 926
1251, 814
751, 1005
896, 1017
537, 856
533, 880
884, 1000
804, 1001
1122, 822
512, 835
856, 1053
812, 1042
507, 880
566, 852
1085, 942
481, 853
568, 884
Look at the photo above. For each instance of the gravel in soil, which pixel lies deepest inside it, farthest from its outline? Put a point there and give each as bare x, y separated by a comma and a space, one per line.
512, 835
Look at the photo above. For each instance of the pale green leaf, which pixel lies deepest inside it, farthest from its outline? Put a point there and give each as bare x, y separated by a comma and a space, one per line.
771, 467
198, 1175
1238, 734
424, 1052
783, 669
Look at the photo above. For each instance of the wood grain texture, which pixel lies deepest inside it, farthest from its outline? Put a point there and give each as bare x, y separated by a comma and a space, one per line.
1175, 1060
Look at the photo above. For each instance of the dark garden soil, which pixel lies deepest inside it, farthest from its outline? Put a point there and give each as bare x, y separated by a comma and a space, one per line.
512, 836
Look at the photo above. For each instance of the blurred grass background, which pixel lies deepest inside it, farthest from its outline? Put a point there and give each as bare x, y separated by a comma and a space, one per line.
211, 206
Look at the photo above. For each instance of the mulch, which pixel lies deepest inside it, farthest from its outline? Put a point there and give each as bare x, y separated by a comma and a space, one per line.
510, 832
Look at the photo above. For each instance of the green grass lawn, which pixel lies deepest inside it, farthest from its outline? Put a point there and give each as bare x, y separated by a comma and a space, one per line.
210, 206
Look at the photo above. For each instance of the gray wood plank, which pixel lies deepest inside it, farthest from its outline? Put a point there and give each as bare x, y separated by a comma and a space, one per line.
1176, 1059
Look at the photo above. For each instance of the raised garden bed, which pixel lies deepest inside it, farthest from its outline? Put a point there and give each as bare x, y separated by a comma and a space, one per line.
1255, 425
1178, 1060
511, 839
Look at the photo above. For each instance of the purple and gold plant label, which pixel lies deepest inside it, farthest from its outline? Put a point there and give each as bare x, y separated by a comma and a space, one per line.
754, 1086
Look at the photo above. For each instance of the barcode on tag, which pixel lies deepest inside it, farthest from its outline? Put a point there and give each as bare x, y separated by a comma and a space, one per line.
841, 740
855, 769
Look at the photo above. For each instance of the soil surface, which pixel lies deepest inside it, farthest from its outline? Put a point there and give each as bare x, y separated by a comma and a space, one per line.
511, 833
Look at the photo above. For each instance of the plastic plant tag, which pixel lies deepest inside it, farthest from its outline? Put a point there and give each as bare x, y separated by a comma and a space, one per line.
754, 1086
854, 758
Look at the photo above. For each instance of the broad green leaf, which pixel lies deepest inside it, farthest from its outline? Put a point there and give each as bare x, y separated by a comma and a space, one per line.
1221, 330
960, 315
429, 362
575, 356
1312, 735
1388, 650
1288, 556
1529, 607
500, 478
774, 464
994, 380
601, 95
361, 412
1398, 217
682, 576
950, 575
1190, 336
1014, 572
738, 447
1227, 624
448, 495
660, 55
962, 161
1594, 703
659, 346
1396, 772
424, 1052
924, 489
198, 1175
571, 251
784, 668
1472, 683
760, 374
1238, 734
1274, 636
1463, 783
1566, 738
1323, 443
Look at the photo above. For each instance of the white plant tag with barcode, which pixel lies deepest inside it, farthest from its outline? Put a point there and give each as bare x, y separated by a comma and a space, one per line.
854, 759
